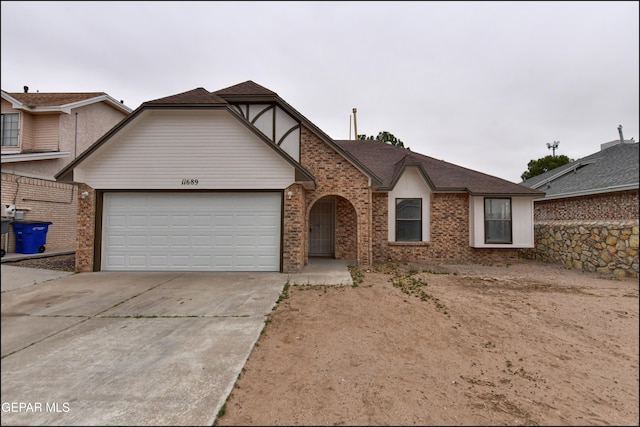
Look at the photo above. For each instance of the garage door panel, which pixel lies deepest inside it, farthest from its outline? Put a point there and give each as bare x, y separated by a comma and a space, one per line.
197, 231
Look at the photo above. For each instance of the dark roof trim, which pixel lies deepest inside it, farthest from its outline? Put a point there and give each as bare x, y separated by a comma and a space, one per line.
301, 172
401, 167
375, 180
65, 174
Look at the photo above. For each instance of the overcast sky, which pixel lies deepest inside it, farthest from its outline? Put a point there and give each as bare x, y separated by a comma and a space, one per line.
484, 85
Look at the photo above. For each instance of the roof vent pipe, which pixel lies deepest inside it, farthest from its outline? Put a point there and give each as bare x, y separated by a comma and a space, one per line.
355, 124
620, 132
26, 89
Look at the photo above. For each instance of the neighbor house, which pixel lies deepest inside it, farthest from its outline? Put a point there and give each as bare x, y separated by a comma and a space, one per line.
603, 185
42, 133
588, 218
239, 180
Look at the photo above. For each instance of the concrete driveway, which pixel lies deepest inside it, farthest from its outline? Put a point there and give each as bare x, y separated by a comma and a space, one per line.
111, 348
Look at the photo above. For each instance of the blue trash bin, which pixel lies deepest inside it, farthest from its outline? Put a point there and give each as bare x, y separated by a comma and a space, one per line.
31, 236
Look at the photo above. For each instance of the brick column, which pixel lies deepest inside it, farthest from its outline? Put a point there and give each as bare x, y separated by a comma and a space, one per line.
85, 236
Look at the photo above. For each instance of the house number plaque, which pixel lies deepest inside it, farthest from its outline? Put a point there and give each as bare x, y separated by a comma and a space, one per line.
190, 181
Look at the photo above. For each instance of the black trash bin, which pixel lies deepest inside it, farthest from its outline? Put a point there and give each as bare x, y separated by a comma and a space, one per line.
31, 236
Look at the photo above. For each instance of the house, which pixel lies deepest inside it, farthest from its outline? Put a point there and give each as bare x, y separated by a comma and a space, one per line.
588, 218
42, 133
237, 179
603, 185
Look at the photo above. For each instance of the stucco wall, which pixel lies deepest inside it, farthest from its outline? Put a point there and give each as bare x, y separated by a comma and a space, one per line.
609, 247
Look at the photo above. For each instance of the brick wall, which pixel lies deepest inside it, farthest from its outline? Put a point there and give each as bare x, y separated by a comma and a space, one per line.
86, 229
335, 176
346, 230
609, 247
449, 235
620, 205
43, 200
294, 230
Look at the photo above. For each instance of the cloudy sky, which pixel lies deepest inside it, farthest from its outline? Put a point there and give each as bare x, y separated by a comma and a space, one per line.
484, 85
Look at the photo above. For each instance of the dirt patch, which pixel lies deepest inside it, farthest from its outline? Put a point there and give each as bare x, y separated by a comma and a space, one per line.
57, 262
519, 344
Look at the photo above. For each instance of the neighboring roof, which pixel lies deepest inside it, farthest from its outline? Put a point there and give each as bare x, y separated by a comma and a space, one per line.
59, 101
388, 162
614, 168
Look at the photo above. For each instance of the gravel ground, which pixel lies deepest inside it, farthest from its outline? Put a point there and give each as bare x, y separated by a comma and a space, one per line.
59, 262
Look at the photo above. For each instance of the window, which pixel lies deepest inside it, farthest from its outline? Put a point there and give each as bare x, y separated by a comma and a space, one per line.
497, 221
10, 130
408, 220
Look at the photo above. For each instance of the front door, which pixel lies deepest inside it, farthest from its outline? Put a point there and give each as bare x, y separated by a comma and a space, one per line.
321, 228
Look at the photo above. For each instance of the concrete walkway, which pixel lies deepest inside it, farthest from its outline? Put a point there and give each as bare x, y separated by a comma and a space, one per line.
135, 348
323, 271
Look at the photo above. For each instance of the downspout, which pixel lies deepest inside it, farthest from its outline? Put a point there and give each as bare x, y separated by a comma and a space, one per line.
75, 142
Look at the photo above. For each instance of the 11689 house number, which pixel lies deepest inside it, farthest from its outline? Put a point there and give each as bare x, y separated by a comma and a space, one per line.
190, 181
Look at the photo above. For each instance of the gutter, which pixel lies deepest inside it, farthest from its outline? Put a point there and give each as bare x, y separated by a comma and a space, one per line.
14, 158
591, 192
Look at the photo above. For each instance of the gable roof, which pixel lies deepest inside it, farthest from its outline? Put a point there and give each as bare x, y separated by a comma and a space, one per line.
247, 91
196, 98
614, 168
59, 101
388, 162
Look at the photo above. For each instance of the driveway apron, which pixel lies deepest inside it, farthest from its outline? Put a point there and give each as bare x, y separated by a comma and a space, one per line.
139, 348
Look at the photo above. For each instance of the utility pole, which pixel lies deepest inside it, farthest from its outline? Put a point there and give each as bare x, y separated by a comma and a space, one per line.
553, 146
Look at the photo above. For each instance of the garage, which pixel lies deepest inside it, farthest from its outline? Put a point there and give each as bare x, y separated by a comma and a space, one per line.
191, 231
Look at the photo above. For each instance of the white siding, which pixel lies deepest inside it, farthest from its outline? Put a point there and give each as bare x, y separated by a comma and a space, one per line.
411, 185
521, 222
264, 123
163, 148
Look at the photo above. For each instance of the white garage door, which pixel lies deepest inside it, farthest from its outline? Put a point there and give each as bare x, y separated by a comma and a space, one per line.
191, 231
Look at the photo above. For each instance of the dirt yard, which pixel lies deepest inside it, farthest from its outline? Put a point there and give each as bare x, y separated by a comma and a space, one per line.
519, 344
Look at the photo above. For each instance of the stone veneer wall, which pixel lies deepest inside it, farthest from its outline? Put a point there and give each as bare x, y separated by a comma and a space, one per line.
449, 235
336, 176
609, 247
619, 205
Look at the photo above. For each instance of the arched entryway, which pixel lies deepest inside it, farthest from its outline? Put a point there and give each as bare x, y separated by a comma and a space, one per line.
333, 229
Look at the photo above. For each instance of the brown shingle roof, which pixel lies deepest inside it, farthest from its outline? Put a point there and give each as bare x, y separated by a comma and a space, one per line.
246, 88
195, 96
388, 162
38, 99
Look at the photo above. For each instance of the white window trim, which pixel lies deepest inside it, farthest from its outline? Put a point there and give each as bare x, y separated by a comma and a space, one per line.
410, 185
